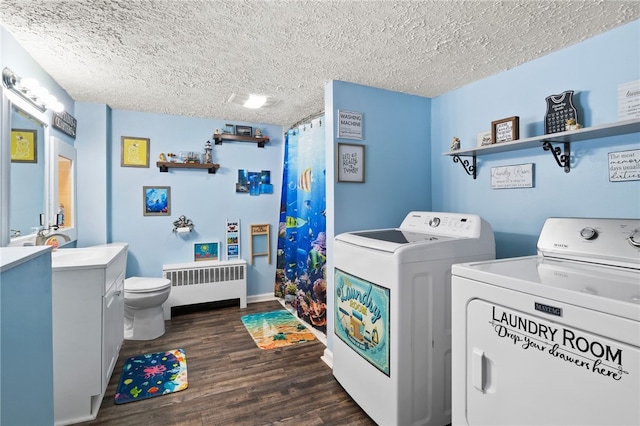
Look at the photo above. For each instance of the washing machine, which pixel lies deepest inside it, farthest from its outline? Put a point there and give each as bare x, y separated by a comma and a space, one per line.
392, 333
554, 338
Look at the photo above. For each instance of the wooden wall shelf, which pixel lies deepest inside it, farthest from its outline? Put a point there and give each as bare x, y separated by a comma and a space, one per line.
237, 138
166, 165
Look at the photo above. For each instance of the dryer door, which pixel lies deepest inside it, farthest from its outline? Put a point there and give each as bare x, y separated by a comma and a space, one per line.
523, 368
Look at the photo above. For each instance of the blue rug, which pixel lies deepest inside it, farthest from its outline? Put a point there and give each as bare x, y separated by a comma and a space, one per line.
149, 375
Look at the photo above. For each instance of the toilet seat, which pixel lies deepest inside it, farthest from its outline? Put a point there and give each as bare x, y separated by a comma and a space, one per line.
145, 284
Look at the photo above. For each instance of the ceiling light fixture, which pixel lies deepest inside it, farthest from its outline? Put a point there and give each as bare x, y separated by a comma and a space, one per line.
29, 89
252, 101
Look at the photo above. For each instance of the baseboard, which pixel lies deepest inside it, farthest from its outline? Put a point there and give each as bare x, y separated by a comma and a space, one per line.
265, 297
327, 357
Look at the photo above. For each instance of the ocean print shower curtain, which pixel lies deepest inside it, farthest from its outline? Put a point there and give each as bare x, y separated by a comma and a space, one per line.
302, 250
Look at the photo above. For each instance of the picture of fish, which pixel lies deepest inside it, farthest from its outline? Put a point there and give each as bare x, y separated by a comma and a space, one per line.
295, 222
306, 178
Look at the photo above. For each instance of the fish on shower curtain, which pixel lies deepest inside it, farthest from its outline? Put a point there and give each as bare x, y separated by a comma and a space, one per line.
302, 250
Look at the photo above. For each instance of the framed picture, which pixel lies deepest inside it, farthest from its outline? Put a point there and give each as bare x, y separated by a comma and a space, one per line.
228, 129
243, 130
24, 146
505, 130
484, 139
156, 200
135, 152
206, 251
350, 163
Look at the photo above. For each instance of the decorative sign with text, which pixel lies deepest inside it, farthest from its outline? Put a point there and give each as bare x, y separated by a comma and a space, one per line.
350, 124
65, 122
629, 100
362, 318
518, 176
574, 348
624, 165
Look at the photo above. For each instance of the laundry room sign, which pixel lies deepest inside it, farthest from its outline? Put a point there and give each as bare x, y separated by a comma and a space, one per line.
350, 124
362, 318
518, 176
575, 348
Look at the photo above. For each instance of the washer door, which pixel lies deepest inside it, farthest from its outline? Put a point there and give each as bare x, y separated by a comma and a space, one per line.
522, 368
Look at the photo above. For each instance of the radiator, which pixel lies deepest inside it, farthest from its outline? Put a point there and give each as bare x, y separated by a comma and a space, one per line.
205, 281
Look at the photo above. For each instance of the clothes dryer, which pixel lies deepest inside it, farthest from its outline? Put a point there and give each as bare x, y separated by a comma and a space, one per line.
392, 344
551, 339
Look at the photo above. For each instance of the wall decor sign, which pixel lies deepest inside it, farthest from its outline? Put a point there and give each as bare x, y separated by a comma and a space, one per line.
516, 176
24, 146
484, 138
629, 100
560, 108
505, 130
362, 318
350, 163
156, 200
233, 239
624, 165
65, 122
206, 251
350, 124
135, 152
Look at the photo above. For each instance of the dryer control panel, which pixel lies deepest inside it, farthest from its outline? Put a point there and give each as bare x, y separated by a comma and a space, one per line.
613, 242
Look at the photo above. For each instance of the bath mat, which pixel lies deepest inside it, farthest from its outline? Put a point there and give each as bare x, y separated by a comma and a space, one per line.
149, 375
276, 329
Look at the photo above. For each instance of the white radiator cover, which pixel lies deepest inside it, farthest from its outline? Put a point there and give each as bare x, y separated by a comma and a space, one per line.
205, 281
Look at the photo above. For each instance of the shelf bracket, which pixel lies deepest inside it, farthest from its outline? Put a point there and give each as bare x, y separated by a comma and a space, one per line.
470, 169
212, 170
163, 169
563, 160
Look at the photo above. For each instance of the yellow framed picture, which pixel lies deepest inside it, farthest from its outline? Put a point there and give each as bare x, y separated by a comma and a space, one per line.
24, 146
135, 152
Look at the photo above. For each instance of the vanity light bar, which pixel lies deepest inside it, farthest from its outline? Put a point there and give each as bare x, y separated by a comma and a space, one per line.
29, 89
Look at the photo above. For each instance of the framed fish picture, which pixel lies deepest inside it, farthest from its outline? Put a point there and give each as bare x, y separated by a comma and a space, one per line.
206, 251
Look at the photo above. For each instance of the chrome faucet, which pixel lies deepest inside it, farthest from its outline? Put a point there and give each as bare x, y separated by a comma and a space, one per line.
45, 235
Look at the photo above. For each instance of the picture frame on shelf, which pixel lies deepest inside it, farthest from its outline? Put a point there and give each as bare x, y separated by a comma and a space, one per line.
350, 163
156, 200
206, 251
228, 129
243, 130
484, 138
505, 130
24, 146
134, 152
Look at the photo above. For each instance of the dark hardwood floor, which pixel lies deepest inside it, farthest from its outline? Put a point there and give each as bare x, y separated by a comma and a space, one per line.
232, 381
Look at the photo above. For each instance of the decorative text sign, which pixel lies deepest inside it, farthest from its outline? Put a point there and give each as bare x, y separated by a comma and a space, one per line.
518, 176
362, 318
65, 122
629, 100
624, 165
350, 124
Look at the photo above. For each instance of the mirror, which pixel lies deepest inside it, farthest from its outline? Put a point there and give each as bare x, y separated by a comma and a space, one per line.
27, 182
64, 187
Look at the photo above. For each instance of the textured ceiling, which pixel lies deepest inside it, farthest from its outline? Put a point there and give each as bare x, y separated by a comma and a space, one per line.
188, 57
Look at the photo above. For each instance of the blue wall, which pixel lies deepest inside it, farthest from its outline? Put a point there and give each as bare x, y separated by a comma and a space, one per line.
594, 69
207, 199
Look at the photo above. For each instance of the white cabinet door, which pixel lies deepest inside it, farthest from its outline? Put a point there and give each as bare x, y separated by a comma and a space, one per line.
112, 327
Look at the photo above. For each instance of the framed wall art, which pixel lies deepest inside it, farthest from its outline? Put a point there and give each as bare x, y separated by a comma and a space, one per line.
135, 152
24, 146
505, 130
156, 200
206, 251
350, 163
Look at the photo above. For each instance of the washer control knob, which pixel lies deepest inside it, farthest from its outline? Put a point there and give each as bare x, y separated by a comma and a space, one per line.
634, 238
588, 233
434, 222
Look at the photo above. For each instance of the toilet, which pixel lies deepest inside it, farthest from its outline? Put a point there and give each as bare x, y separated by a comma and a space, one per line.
143, 314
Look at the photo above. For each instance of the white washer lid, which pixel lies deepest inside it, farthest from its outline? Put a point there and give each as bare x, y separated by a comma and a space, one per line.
145, 284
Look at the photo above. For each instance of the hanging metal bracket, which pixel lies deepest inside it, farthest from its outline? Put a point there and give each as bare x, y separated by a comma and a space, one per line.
470, 169
563, 160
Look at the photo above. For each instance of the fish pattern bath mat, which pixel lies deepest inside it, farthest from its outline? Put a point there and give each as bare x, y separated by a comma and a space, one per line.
155, 374
276, 329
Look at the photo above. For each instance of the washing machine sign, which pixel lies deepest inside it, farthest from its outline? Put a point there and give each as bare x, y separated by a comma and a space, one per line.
362, 318
577, 349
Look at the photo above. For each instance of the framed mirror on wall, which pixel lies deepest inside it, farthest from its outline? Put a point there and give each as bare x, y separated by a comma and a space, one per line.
37, 175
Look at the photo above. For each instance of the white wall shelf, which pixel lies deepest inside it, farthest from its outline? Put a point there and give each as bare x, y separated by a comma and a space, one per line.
546, 142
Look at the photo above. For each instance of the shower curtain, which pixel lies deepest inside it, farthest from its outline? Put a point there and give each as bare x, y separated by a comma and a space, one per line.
300, 271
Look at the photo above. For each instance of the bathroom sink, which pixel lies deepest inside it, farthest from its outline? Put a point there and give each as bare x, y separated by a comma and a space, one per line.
78, 257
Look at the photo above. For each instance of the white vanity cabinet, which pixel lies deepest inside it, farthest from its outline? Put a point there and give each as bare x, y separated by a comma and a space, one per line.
88, 327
